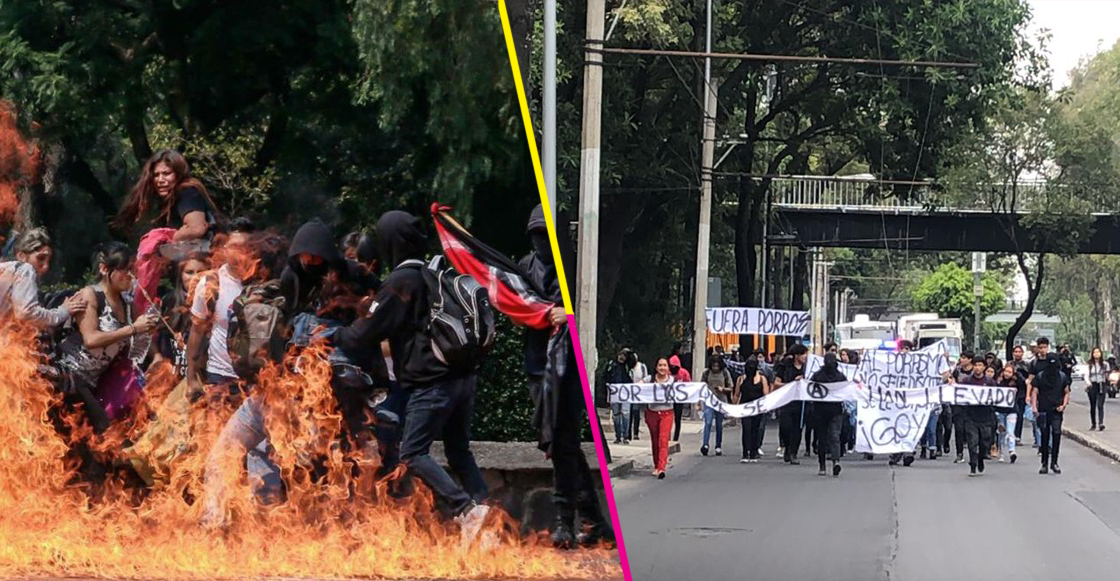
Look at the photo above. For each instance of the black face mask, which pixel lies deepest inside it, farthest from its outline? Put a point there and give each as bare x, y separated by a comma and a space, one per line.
541, 246
316, 270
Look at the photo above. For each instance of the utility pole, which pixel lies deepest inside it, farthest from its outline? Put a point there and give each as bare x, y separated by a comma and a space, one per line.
704, 237
549, 104
587, 283
979, 265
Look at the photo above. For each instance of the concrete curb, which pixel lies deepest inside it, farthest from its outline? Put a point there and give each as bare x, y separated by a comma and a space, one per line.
1092, 443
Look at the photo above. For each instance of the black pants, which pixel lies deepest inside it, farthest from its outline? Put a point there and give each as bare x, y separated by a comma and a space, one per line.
637, 412
959, 428
443, 411
811, 435
572, 486
789, 423
828, 431
678, 411
979, 436
1020, 408
1097, 396
1050, 423
752, 436
944, 429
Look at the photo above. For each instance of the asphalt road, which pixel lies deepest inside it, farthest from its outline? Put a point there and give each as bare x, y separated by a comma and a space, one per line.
716, 519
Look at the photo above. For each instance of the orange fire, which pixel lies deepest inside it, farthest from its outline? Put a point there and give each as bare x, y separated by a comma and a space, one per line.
19, 162
335, 522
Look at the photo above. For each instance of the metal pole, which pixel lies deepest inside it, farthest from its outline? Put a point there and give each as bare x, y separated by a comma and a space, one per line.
704, 236
703, 243
549, 104
588, 259
978, 290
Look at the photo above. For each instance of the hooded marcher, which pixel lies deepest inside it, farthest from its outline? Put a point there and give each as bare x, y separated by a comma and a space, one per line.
620, 412
315, 268
550, 363
829, 416
441, 403
790, 416
1048, 393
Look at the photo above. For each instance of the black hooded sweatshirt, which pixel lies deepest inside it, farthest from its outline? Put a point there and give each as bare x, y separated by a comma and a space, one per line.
828, 373
540, 267
400, 312
301, 287
1050, 383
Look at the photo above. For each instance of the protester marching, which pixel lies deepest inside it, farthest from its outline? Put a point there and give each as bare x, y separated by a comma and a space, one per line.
225, 376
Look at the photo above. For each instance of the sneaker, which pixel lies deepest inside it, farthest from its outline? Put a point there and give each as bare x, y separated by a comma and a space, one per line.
972, 470
867, 456
836, 469
925, 454
745, 461
661, 475
1093, 428
617, 441
761, 453
781, 452
626, 442
1055, 468
980, 466
1043, 470
821, 472
959, 460
1014, 457
703, 450
1101, 427
470, 523
908, 460
1001, 459
719, 451
795, 462
892, 462
1018, 441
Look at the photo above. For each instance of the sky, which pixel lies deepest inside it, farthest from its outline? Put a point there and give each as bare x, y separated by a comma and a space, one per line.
1078, 28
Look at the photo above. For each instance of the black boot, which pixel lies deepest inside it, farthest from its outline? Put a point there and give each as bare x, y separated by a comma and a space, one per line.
563, 536
594, 529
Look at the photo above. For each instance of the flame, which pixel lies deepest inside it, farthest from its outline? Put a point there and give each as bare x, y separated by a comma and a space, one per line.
336, 521
19, 162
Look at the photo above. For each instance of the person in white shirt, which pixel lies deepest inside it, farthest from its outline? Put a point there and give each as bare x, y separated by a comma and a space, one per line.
19, 284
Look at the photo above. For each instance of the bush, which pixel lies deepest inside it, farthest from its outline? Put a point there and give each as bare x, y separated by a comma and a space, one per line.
504, 408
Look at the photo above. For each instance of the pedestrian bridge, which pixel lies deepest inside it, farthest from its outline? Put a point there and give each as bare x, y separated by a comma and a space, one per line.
863, 213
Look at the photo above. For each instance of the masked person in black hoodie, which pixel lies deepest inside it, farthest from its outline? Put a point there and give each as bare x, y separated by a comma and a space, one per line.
573, 488
1048, 393
829, 416
441, 403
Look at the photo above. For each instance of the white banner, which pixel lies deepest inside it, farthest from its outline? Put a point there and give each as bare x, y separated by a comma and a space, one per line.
889, 419
754, 320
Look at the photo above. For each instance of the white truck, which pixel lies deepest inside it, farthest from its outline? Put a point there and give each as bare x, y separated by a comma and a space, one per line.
927, 328
863, 333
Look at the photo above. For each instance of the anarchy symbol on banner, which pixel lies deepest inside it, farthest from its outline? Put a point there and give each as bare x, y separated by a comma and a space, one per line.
817, 390
892, 434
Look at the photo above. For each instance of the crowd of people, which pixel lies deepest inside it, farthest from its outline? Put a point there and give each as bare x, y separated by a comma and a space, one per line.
1042, 382
215, 300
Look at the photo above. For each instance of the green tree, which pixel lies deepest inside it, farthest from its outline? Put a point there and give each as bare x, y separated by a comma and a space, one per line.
949, 292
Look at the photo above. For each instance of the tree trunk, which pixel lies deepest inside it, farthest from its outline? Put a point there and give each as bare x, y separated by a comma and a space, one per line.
1033, 290
1105, 322
617, 219
521, 28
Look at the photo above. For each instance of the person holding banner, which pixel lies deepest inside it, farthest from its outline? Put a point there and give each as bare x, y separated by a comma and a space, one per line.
751, 385
681, 375
1008, 417
791, 416
718, 380
978, 420
659, 418
829, 416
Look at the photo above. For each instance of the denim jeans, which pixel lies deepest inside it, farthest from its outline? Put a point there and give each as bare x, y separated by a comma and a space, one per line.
620, 414
929, 440
710, 416
1006, 440
243, 436
443, 411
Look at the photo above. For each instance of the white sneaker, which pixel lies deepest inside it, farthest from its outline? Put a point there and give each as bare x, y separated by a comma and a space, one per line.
719, 451
761, 453
1001, 460
745, 461
470, 525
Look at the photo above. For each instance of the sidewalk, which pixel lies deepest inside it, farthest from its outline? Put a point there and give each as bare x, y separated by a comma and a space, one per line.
1075, 426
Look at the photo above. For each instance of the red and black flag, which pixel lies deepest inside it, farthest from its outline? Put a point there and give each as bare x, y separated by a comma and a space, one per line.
511, 291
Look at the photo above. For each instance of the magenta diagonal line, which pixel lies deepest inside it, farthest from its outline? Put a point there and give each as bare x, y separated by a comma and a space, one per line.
589, 400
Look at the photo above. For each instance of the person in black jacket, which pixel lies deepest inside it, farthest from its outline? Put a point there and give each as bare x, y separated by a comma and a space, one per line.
829, 416
441, 403
573, 487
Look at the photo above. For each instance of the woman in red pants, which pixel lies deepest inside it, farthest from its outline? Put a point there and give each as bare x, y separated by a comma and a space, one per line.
659, 418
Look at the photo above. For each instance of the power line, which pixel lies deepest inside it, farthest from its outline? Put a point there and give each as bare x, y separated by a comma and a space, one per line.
782, 58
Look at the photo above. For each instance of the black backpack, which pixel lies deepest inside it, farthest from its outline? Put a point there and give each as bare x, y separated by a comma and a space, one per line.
461, 321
